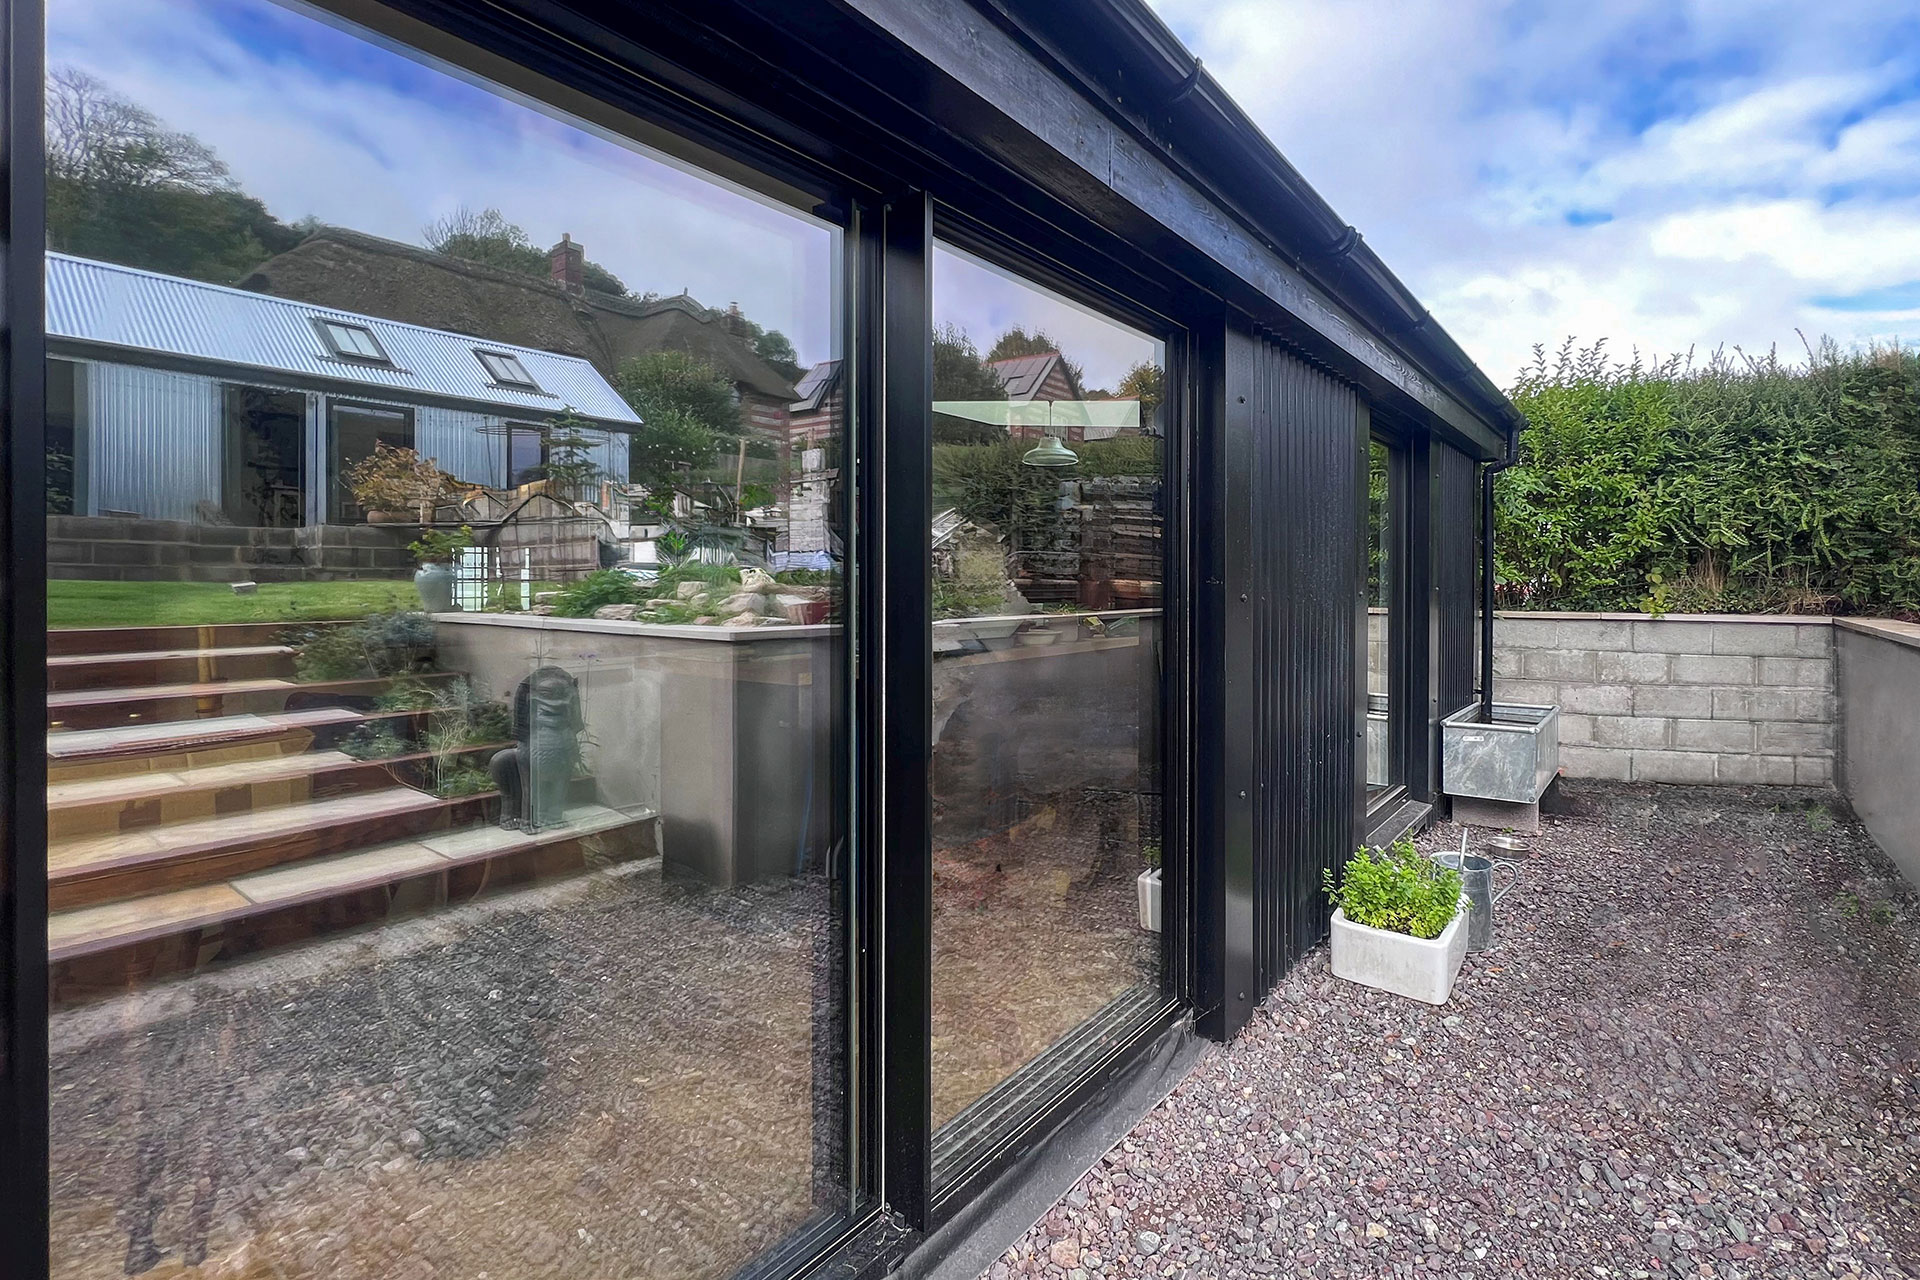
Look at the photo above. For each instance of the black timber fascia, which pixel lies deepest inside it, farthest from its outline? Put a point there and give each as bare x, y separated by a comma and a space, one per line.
1080, 140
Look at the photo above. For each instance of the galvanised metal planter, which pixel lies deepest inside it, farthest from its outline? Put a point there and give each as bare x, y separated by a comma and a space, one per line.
1512, 759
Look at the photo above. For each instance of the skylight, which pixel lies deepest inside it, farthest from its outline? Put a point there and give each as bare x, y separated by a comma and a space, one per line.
352, 341
506, 369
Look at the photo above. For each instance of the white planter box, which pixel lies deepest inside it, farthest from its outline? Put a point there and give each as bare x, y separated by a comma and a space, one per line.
1423, 968
1148, 885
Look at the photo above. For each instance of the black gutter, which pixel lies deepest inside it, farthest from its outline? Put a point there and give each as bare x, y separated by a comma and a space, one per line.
1148, 75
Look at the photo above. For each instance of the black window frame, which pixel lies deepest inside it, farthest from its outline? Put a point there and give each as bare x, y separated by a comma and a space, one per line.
685, 84
964, 1164
1402, 785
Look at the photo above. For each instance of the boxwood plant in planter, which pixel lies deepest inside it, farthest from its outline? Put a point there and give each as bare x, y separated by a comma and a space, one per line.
1400, 923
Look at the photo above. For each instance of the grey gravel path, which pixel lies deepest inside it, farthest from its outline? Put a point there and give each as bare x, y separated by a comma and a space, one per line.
1694, 1050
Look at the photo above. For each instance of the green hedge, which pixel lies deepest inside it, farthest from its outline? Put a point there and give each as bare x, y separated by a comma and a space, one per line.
1747, 486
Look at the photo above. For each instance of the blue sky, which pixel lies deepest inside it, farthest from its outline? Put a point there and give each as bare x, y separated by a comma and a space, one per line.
1661, 175
315, 121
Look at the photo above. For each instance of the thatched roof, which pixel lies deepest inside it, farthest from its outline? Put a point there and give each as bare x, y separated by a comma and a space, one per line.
352, 271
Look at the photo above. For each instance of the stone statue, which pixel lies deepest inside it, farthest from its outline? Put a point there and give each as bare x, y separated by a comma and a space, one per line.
534, 774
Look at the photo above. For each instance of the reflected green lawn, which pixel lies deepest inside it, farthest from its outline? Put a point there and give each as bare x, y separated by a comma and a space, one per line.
159, 604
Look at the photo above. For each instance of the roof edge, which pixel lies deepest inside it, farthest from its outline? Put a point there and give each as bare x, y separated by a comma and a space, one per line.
1197, 119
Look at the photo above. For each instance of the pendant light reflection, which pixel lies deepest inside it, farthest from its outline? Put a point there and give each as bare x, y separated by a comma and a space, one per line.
1050, 452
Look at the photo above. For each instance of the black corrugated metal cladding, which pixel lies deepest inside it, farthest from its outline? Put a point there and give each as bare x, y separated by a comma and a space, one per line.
1306, 489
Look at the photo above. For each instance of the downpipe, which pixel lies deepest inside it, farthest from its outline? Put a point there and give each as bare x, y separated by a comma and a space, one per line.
1487, 474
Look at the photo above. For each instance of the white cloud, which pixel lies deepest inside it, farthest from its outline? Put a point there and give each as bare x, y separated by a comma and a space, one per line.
1734, 161
314, 122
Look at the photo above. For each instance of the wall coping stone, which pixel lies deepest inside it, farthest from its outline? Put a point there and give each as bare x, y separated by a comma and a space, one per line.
1782, 619
1903, 633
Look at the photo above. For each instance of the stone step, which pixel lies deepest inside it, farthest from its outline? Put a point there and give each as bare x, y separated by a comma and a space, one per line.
131, 802
84, 671
74, 641
90, 870
171, 745
100, 948
201, 700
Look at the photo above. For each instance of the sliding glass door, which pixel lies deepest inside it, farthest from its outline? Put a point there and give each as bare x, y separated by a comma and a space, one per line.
1048, 643
508, 941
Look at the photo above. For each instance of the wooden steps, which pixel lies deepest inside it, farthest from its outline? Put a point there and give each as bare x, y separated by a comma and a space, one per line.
173, 915
75, 641
200, 805
91, 869
147, 704
169, 666
100, 806
182, 744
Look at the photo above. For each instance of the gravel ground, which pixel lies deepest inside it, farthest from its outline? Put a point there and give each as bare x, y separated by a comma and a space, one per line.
610, 1075
1694, 1049
1035, 930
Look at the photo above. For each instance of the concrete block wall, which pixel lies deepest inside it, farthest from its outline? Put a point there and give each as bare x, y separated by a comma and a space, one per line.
1678, 698
131, 549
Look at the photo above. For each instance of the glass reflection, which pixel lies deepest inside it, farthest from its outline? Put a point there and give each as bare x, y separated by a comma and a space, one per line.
446, 807
1379, 640
1047, 461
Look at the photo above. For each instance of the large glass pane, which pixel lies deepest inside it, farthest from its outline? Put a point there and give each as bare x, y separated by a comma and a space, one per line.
1381, 568
448, 866
1047, 644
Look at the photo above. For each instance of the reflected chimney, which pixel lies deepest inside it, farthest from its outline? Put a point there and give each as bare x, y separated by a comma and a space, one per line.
567, 262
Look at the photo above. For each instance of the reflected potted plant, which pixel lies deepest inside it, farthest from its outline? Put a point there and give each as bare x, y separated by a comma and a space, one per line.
436, 550
394, 484
1147, 885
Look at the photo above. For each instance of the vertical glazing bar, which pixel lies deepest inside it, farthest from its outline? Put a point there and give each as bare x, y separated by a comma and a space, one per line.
902, 660
23, 779
1223, 891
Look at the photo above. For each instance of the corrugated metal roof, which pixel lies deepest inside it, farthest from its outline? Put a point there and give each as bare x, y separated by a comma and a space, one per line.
104, 304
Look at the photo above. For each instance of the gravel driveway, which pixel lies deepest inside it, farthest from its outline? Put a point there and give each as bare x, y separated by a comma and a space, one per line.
1693, 1050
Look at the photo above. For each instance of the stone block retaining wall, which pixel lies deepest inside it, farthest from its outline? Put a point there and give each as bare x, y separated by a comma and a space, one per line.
131, 549
1678, 698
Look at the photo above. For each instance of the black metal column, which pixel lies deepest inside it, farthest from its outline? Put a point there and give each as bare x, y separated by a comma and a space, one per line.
23, 620
898, 503
1226, 965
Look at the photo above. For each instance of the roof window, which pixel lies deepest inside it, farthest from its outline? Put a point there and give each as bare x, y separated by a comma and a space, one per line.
506, 369
352, 341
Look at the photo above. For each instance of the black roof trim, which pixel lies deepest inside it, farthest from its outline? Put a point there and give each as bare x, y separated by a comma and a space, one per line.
1124, 49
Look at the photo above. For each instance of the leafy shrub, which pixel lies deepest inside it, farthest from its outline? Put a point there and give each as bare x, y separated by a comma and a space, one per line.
604, 587
461, 780
374, 742
1741, 485
398, 480
807, 577
407, 694
707, 575
439, 546
382, 644
461, 720
978, 584
1397, 890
